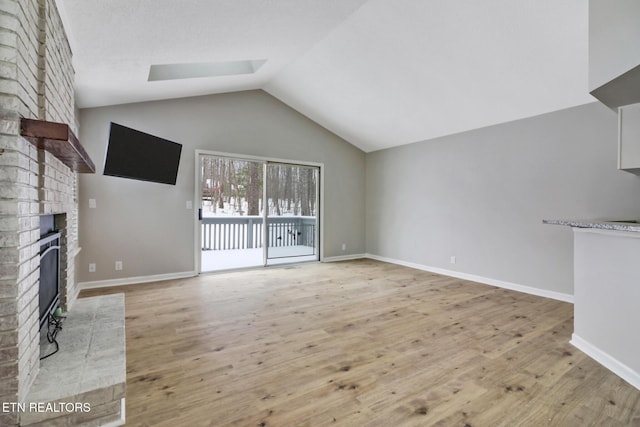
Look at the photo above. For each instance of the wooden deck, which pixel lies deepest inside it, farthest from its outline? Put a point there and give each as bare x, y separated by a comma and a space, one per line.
358, 343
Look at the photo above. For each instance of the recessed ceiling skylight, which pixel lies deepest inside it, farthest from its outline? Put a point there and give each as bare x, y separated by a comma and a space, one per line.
206, 69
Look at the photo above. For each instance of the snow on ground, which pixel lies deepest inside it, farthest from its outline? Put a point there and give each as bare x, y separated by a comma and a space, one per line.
242, 258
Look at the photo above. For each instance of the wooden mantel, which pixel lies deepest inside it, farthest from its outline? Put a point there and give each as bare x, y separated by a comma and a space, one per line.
59, 140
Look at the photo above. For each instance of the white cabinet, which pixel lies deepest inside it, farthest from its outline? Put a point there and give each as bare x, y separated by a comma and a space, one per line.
606, 295
629, 138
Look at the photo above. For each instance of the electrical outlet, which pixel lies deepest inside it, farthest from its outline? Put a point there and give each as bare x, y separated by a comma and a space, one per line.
118, 265
92, 268
344, 246
453, 259
92, 203
189, 204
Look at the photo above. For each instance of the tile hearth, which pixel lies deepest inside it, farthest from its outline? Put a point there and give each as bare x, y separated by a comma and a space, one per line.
89, 368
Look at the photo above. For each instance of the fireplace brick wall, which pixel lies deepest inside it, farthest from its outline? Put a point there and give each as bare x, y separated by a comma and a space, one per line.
36, 81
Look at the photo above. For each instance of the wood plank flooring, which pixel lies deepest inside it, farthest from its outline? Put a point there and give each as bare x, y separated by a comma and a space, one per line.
358, 343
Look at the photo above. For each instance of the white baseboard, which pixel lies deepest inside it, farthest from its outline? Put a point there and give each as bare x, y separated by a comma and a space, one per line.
135, 280
488, 281
611, 363
485, 280
343, 257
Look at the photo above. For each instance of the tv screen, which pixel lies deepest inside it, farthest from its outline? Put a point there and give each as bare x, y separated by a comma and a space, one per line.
138, 155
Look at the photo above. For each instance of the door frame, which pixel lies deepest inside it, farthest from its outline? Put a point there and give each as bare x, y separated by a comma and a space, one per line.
197, 235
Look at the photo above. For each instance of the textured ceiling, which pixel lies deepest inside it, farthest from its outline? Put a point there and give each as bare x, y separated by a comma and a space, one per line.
114, 42
379, 73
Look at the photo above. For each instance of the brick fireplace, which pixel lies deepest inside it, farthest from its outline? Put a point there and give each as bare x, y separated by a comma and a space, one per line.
37, 83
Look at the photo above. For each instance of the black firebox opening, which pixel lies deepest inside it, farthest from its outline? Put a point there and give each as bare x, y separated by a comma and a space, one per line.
49, 288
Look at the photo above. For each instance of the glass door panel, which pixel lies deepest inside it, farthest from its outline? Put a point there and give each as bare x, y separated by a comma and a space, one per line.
292, 216
231, 213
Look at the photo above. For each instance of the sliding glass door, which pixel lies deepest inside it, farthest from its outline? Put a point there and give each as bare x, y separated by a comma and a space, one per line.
238, 229
292, 215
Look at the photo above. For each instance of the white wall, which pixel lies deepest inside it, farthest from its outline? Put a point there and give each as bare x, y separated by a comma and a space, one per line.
147, 226
482, 196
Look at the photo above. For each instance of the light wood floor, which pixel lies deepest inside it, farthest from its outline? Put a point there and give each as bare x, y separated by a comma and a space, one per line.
358, 343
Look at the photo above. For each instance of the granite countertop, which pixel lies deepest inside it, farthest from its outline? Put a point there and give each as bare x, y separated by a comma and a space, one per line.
630, 225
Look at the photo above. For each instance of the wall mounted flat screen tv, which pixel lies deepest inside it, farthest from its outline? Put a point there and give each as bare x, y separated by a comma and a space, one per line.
138, 155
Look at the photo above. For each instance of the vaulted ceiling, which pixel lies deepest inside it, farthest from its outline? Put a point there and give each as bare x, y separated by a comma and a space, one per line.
379, 73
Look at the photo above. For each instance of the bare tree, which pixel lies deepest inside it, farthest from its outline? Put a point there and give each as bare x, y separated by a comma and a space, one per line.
253, 189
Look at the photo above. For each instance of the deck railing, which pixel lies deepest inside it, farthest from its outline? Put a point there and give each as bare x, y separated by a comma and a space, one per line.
245, 232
